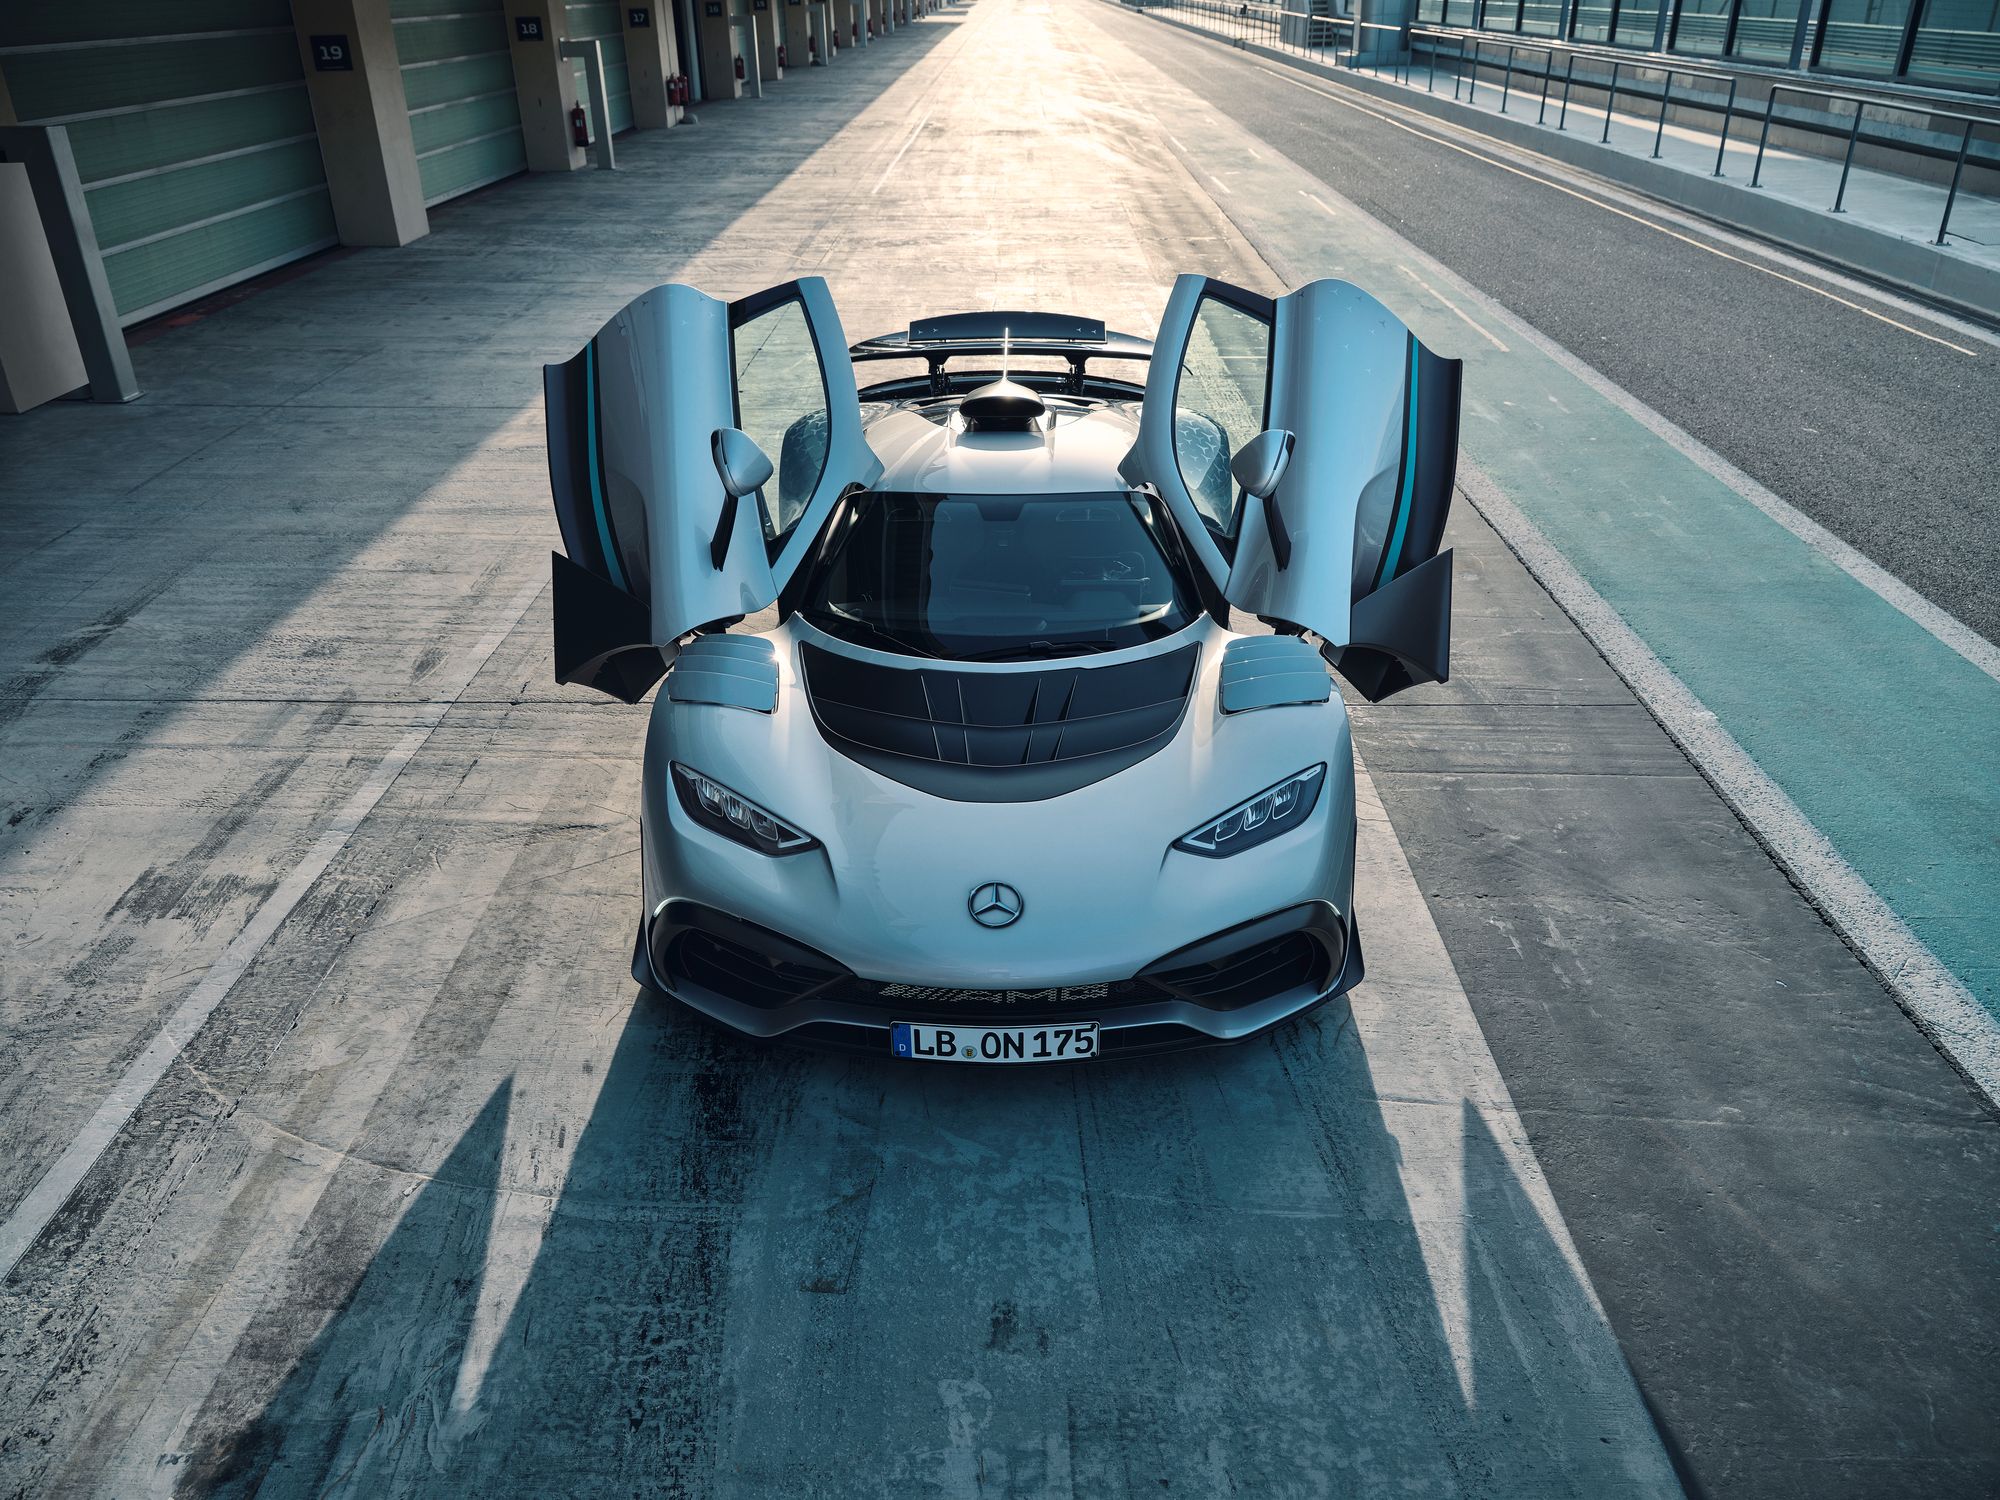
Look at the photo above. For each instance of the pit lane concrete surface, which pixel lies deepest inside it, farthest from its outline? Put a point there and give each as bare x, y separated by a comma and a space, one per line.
1620, 1174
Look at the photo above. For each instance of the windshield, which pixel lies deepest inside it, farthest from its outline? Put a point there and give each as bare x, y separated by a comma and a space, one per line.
999, 577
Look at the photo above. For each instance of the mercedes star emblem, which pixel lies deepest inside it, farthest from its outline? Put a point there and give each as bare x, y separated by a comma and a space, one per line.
995, 905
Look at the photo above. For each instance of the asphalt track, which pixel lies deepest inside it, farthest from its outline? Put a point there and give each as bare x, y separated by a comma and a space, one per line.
1889, 441
1619, 1172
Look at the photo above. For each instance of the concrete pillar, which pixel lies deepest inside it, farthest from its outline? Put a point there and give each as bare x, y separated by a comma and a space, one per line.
795, 29
355, 82
650, 60
544, 83
770, 33
718, 47
820, 25
39, 356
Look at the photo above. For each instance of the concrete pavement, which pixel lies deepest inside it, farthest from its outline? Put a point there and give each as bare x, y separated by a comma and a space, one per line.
434, 1204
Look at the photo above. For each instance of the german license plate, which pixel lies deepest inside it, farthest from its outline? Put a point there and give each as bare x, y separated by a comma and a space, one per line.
1072, 1041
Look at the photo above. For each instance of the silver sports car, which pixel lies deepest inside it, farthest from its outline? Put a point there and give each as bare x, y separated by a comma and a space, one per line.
960, 755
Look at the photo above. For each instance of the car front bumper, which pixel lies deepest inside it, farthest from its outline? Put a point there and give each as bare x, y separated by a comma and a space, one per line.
1228, 987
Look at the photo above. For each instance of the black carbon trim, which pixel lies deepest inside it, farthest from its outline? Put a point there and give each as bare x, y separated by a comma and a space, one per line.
998, 736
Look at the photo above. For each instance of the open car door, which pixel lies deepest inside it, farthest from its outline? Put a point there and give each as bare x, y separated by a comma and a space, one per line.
658, 545
1346, 544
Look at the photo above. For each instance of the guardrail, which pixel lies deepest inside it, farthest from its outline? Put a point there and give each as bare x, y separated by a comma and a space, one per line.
1862, 105
1644, 76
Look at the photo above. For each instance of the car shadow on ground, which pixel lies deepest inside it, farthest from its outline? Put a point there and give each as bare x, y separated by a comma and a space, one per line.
1178, 1275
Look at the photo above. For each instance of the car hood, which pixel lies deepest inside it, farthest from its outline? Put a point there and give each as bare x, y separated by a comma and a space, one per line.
889, 888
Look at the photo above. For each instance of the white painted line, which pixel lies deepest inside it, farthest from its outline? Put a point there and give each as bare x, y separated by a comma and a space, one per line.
1937, 621
1940, 623
1943, 1008
1217, 181
1598, 202
1426, 1054
915, 131
1464, 316
1324, 205
46, 1198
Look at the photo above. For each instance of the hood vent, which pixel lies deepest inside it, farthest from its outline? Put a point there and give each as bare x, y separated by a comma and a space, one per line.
998, 736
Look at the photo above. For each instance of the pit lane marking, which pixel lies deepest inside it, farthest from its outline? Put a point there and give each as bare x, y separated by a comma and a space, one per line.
46, 1198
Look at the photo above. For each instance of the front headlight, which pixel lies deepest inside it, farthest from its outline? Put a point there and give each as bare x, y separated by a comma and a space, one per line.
735, 816
1273, 811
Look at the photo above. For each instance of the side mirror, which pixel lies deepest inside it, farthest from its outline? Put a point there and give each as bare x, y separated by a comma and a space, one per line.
745, 469
742, 464
1260, 463
1258, 466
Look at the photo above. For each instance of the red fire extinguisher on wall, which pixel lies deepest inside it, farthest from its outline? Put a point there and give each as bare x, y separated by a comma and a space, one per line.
812, 48
782, 63
579, 131
739, 69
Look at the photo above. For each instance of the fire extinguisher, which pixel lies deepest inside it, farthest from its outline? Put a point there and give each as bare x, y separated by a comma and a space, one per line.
739, 69
579, 132
782, 64
812, 48
674, 94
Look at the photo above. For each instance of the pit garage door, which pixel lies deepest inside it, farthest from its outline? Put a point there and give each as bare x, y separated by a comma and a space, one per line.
192, 132
604, 23
458, 80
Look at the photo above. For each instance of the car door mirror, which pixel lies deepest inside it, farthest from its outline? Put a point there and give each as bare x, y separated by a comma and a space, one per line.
1260, 463
744, 467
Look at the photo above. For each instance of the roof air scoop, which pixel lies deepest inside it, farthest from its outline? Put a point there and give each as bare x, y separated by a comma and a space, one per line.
1002, 405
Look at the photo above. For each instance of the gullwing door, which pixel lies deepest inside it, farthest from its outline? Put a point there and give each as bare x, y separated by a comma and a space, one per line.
671, 520
1343, 534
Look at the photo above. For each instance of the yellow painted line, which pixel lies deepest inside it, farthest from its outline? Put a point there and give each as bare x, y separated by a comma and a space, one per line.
1594, 202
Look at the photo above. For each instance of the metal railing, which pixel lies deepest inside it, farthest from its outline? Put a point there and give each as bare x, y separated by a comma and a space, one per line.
1668, 73
1862, 105
1641, 77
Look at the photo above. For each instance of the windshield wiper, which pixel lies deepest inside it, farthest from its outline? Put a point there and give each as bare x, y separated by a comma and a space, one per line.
1030, 649
839, 622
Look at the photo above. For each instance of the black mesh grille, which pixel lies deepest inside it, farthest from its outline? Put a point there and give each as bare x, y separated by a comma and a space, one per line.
1252, 974
739, 973
997, 720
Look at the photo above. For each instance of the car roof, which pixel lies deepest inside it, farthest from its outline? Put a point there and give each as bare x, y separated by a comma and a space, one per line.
924, 449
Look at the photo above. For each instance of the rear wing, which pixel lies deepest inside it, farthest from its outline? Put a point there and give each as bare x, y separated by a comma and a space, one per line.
968, 335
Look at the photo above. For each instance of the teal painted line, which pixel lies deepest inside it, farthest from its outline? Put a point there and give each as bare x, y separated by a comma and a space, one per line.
590, 447
1885, 738
1394, 554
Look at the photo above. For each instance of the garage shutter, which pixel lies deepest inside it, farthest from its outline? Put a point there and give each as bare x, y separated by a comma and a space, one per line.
458, 79
606, 24
192, 131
